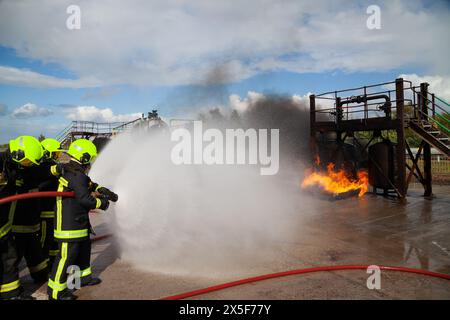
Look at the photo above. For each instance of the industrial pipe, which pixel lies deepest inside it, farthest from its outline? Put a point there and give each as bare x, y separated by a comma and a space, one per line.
299, 271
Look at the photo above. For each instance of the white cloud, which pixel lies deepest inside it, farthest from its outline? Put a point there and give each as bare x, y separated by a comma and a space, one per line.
241, 105
177, 42
30, 110
92, 113
24, 77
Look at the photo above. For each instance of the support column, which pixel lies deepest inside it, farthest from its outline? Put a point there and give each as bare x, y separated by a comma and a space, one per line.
400, 182
426, 148
312, 123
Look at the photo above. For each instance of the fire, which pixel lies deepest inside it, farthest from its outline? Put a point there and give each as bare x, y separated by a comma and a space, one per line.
336, 181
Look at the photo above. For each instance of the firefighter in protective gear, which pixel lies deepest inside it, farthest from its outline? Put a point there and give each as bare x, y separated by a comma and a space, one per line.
26, 223
72, 226
15, 176
52, 151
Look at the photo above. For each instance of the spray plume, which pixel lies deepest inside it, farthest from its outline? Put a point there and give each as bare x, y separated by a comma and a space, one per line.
205, 219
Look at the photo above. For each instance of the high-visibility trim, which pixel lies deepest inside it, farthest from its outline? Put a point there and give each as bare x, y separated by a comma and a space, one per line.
26, 229
57, 286
6, 228
64, 182
43, 232
98, 187
53, 252
47, 214
53, 170
98, 204
19, 182
71, 234
39, 267
86, 272
7, 287
59, 208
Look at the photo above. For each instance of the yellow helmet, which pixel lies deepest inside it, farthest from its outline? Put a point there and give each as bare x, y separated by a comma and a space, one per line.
82, 150
50, 146
26, 148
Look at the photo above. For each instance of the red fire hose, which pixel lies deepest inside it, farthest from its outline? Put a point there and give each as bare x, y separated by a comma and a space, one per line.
42, 194
242, 281
46, 194
299, 271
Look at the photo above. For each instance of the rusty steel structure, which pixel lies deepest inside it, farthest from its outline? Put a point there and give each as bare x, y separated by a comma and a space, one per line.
100, 133
86, 130
387, 108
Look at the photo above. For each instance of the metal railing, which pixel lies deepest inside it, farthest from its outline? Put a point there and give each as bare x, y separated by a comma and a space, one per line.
126, 125
87, 127
433, 118
359, 103
369, 102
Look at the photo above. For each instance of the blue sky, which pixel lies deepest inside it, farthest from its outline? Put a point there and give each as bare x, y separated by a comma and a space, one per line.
130, 59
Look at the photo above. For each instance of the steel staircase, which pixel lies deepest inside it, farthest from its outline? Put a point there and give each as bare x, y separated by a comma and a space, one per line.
432, 122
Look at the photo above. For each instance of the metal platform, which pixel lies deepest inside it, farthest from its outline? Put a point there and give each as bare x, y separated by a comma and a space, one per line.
391, 106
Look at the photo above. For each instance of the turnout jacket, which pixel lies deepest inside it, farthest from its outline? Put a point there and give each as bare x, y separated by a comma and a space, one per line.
20, 216
72, 214
47, 205
8, 173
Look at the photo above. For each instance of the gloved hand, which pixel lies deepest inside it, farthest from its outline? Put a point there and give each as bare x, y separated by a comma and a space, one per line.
108, 194
105, 203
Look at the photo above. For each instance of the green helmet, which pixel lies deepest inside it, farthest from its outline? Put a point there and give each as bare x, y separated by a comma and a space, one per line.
26, 148
82, 150
50, 146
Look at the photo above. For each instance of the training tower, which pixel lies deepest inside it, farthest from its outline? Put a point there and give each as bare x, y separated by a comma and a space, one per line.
374, 119
101, 133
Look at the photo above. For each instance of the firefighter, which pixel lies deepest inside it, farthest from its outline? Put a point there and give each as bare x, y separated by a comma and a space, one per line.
15, 174
26, 222
52, 152
72, 226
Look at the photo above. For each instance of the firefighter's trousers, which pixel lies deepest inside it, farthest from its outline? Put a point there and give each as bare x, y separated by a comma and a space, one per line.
9, 272
76, 254
29, 247
48, 243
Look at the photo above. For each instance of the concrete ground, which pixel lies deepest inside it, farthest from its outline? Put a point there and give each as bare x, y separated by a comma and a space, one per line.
370, 230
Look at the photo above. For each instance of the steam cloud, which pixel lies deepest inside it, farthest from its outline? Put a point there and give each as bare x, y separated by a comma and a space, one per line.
199, 219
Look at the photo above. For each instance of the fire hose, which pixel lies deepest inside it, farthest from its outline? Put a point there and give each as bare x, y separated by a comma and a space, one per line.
241, 281
296, 272
46, 194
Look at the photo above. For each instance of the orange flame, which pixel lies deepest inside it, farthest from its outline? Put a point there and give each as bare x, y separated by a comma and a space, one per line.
336, 181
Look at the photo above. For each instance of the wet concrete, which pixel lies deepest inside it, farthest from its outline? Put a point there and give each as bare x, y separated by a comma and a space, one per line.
369, 230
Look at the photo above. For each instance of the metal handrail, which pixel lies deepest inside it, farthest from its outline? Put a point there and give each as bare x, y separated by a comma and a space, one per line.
123, 125
88, 126
62, 135
442, 100
359, 88
434, 104
435, 122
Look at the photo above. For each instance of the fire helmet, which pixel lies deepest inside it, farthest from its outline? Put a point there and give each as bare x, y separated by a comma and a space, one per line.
82, 150
51, 146
26, 148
